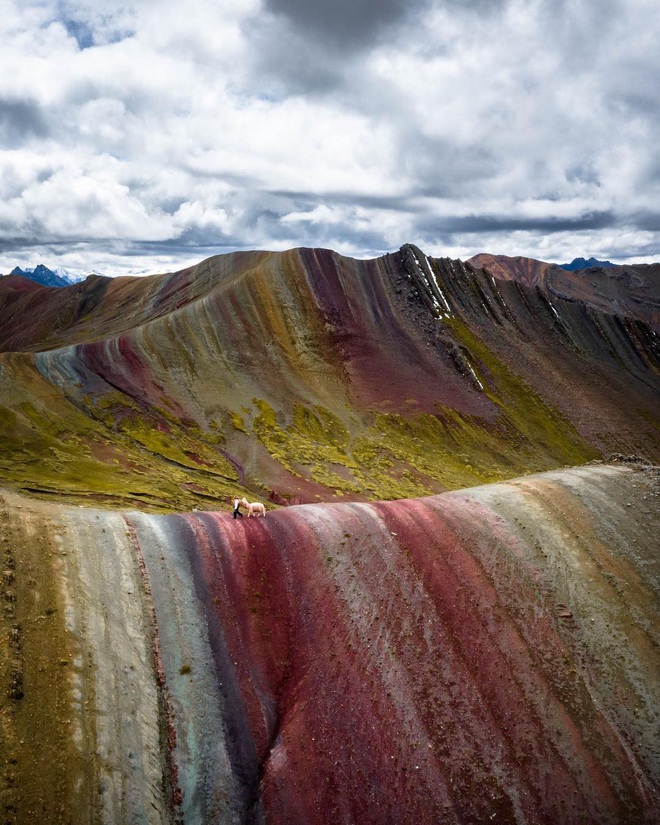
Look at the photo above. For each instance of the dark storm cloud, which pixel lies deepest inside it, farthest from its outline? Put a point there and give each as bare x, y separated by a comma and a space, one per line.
11, 244
19, 121
196, 237
175, 246
286, 63
355, 24
632, 252
638, 102
647, 221
479, 6
346, 24
311, 47
300, 200
582, 173
441, 166
474, 224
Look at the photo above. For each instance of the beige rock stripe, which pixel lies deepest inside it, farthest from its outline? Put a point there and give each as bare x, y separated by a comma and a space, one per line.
106, 609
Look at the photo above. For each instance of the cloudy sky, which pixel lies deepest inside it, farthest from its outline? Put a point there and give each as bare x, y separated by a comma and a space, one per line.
146, 135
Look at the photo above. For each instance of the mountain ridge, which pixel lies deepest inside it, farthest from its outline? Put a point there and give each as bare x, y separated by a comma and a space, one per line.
306, 373
384, 661
586, 263
526, 271
41, 274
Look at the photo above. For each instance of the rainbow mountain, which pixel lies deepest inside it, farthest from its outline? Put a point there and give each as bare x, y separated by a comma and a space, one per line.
449, 612
305, 376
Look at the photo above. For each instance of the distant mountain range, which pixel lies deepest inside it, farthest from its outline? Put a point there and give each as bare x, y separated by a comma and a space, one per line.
41, 274
584, 263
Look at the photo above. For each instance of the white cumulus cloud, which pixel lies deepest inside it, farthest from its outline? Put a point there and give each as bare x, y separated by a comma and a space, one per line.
146, 136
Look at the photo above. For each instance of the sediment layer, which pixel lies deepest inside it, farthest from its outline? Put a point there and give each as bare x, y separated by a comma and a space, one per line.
306, 376
483, 655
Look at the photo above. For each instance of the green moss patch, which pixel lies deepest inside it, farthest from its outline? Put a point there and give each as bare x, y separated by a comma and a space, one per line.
545, 439
397, 456
107, 450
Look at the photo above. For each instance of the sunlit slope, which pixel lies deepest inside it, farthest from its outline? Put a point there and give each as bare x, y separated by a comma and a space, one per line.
484, 655
304, 376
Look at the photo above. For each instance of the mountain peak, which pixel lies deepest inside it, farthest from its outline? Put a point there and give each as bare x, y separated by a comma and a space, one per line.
41, 274
585, 263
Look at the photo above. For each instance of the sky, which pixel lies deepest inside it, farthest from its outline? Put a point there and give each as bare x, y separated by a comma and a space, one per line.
144, 136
